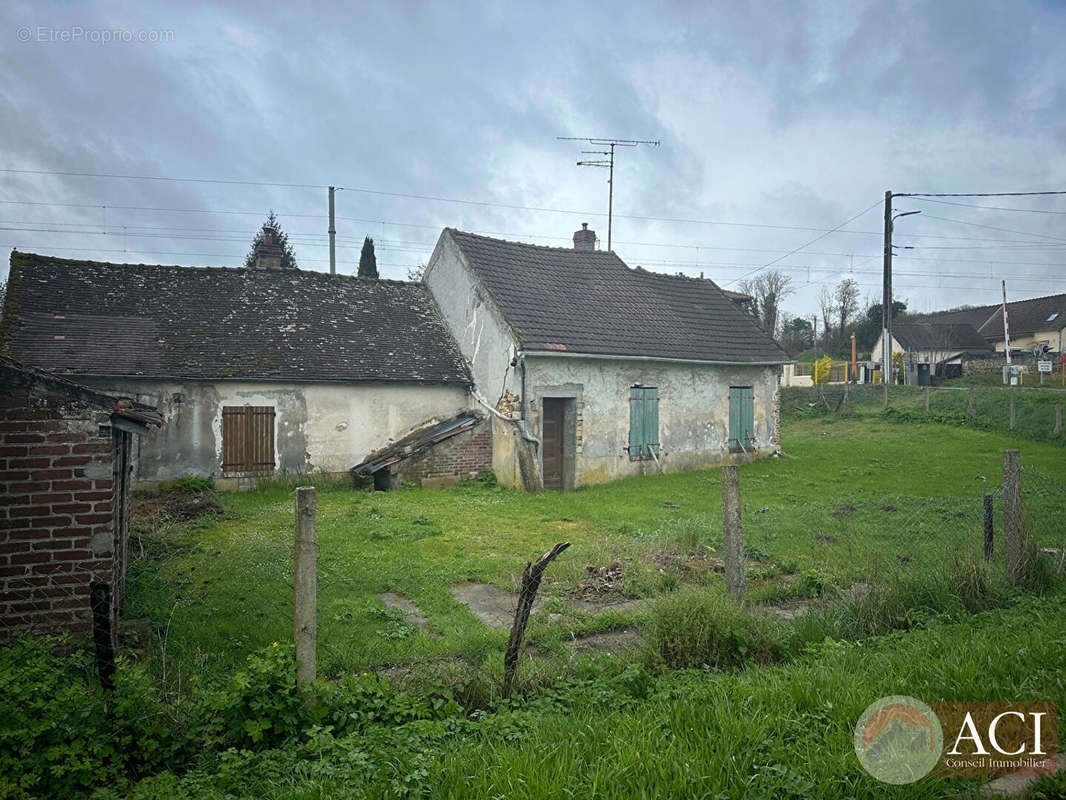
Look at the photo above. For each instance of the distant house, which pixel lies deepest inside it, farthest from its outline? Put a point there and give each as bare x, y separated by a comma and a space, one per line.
614, 371
257, 371
1039, 322
936, 343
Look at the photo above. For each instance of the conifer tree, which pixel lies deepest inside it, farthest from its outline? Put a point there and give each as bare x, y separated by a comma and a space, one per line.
288, 257
368, 262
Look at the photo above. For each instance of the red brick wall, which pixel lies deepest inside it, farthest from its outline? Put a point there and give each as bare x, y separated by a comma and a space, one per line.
463, 455
56, 507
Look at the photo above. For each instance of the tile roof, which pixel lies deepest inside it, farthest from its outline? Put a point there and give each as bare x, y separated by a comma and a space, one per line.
1026, 316
214, 323
588, 301
937, 336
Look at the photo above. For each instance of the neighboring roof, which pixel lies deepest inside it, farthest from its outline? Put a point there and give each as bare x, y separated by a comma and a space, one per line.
137, 320
16, 374
589, 302
935, 336
1029, 316
1025, 316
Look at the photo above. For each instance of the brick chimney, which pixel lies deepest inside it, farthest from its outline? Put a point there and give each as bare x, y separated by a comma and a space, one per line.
268, 253
584, 239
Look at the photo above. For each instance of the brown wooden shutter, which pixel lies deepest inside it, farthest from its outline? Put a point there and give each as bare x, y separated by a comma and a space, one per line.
248, 439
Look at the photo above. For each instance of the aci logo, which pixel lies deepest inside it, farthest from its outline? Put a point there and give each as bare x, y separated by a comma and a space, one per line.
898, 739
901, 739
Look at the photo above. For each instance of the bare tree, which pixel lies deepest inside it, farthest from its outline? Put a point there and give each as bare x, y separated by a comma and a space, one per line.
827, 305
847, 303
768, 291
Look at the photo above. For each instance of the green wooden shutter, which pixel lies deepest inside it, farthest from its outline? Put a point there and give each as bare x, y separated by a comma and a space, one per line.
741, 417
651, 419
636, 422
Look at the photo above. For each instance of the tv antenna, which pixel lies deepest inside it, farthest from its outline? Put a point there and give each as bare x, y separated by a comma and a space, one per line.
608, 163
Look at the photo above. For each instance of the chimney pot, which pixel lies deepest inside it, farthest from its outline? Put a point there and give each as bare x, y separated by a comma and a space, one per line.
584, 239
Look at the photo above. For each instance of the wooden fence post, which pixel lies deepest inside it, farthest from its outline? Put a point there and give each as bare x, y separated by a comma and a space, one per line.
971, 408
732, 538
1012, 515
926, 399
1058, 419
1012, 410
100, 601
531, 576
305, 586
990, 526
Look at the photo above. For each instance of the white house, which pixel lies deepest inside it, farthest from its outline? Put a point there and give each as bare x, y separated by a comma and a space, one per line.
611, 371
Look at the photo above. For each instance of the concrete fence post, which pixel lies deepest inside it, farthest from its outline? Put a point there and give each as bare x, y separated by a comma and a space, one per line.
732, 538
971, 408
1013, 548
1012, 411
305, 585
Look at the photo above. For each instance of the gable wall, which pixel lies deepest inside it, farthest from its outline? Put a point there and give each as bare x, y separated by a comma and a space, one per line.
318, 427
484, 339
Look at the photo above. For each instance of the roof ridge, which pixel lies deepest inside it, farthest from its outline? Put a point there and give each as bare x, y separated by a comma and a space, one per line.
39, 258
537, 246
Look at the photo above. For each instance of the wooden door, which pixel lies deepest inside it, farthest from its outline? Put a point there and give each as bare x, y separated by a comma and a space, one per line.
552, 438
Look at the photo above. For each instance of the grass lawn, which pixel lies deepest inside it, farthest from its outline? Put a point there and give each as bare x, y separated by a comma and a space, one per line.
850, 501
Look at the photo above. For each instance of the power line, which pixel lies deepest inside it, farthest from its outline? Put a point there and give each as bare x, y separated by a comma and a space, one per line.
978, 194
996, 228
812, 241
990, 208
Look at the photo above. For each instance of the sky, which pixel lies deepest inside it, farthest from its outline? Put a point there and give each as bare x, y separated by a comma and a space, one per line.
777, 121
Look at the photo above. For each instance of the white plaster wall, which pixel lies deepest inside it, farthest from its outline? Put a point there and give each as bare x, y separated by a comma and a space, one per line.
318, 426
483, 336
346, 423
693, 410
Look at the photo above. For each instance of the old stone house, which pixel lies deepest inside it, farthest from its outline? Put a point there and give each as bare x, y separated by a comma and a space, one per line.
614, 371
257, 371
65, 464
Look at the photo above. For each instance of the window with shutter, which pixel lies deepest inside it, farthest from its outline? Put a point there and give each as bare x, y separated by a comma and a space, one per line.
741, 418
643, 422
247, 439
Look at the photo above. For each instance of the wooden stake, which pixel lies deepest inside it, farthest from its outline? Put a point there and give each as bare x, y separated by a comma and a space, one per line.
926, 399
1058, 419
971, 408
990, 526
1012, 399
531, 576
732, 538
305, 586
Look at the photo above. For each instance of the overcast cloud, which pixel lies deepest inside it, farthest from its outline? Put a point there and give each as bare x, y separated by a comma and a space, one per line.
773, 114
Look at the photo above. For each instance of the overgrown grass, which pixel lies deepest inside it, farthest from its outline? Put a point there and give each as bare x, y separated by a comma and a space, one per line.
777, 732
217, 589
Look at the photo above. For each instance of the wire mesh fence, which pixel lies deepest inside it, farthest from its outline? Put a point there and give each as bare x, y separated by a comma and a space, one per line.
390, 589
1032, 414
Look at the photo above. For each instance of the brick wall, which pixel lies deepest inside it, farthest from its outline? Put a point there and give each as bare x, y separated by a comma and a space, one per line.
461, 456
57, 502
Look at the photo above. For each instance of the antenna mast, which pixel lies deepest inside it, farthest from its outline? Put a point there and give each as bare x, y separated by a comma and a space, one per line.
608, 163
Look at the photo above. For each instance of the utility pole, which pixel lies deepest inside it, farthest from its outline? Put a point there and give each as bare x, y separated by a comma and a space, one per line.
886, 300
607, 163
332, 236
886, 303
